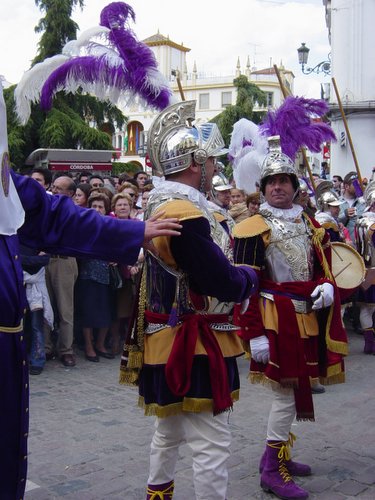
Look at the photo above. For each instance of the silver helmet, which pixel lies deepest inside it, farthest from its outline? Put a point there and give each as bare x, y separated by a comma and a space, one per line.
219, 184
173, 141
326, 196
276, 162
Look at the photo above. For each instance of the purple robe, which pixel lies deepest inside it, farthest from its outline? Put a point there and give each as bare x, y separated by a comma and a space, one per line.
55, 225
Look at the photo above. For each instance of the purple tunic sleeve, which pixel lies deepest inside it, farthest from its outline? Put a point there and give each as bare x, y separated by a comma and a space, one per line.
209, 270
58, 226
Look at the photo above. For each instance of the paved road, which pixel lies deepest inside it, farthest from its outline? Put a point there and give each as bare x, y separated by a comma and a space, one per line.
89, 441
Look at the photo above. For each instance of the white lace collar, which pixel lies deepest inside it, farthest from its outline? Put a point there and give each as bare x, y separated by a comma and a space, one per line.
289, 214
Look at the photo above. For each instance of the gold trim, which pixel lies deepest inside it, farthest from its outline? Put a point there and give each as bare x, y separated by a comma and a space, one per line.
192, 405
12, 329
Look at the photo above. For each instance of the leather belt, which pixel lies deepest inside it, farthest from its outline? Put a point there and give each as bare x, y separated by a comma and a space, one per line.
300, 306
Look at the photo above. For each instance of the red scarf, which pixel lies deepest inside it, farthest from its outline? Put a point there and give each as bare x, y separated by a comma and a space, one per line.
179, 365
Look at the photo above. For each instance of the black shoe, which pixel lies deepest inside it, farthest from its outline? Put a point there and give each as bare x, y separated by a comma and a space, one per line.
106, 355
50, 356
94, 359
35, 370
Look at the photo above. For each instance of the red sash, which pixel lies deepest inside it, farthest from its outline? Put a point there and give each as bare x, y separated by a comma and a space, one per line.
179, 365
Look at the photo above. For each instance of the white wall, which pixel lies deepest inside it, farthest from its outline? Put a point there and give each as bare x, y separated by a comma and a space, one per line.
353, 67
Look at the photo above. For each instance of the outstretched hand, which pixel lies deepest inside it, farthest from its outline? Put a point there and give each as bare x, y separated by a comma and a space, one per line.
155, 226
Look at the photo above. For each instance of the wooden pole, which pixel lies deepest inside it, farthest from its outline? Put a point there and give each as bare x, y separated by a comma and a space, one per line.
176, 73
286, 93
348, 134
180, 88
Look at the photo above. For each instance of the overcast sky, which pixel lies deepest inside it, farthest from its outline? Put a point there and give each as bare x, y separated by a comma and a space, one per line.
217, 32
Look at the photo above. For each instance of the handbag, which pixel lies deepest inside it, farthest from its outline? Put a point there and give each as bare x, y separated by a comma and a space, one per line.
115, 278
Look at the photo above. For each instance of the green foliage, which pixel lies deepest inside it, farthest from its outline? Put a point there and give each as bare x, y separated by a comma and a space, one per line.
129, 167
63, 128
57, 26
247, 95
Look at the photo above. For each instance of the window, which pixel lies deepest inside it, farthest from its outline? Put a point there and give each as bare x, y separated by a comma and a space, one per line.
204, 101
226, 99
269, 97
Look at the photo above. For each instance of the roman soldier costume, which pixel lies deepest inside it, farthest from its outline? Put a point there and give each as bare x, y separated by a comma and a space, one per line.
182, 348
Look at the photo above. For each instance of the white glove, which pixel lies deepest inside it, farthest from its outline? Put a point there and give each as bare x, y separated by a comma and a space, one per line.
260, 349
322, 296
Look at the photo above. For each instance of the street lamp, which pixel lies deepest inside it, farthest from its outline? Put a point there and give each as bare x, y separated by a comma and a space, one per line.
322, 67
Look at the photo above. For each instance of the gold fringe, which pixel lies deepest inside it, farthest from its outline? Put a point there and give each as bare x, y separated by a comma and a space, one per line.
141, 309
128, 377
289, 383
318, 234
260, 378
192, 405
135, 359
336, 379
302, 418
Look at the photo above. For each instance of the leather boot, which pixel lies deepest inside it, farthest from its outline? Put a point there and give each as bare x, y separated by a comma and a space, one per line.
294, 468
160, 491
369, 341
275, 477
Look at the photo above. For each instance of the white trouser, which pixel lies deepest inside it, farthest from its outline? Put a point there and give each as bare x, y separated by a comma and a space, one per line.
208, 437
365, 315
282, 414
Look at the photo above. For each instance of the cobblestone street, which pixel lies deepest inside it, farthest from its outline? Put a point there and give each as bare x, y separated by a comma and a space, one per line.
89, 440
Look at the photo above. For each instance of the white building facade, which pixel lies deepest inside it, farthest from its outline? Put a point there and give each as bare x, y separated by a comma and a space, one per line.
352, 36
213, 93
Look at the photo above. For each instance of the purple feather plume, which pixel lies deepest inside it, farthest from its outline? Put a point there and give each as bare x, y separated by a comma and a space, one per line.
294, 122
138, 57
137, 74
82, 71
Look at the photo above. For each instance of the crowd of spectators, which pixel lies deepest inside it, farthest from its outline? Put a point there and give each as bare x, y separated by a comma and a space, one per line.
80, 305
68, 313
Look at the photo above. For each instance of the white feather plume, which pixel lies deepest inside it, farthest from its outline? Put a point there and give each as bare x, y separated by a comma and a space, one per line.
111, 56
88, 35
247, 149
155, 80
29, 88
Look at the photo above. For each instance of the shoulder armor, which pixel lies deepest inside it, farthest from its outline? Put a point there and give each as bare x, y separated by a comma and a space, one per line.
180, 209
252, 226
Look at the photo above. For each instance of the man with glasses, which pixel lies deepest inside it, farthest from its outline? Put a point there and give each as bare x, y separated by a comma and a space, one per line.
61, 275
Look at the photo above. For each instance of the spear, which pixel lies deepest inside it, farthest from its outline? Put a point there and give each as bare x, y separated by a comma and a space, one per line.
348, 134
176, 73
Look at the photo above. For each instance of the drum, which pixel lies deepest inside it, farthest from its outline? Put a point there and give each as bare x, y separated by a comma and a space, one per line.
348, 267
